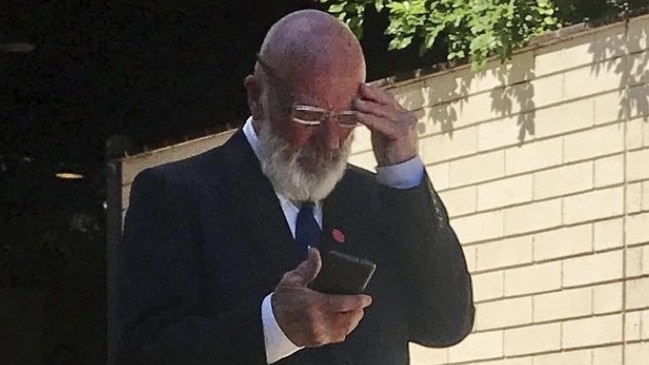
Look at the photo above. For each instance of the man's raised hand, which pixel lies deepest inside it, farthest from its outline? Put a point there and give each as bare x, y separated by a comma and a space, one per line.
394, 129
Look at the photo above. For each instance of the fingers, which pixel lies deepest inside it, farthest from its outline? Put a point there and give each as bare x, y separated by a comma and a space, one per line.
378, 110
343, 303
394, 129
378, 95
305, 272
378, 124
338, 327
398, 128
310, 318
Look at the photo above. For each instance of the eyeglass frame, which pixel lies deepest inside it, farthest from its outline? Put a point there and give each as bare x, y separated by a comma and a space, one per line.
326, 114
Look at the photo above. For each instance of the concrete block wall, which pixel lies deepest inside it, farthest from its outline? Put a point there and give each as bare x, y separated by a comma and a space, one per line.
543, 163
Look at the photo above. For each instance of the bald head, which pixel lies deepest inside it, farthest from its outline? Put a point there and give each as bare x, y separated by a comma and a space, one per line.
311, 41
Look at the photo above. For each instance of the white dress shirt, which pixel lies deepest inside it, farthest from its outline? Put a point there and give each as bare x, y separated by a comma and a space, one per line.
401, 176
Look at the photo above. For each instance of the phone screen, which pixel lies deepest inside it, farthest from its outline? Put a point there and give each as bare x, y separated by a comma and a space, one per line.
343, 274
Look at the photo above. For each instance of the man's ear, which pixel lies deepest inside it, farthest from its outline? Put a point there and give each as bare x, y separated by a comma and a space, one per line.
253, 87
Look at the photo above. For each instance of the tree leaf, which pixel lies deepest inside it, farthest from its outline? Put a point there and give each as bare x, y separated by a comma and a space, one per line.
336, 8
378, 5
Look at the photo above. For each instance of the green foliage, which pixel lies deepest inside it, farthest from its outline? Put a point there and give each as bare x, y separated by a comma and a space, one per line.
471, 28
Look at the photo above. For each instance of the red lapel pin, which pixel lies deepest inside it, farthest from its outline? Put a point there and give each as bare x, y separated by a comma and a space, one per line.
337, 235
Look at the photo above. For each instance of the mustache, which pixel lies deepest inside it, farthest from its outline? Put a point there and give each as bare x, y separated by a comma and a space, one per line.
317, 154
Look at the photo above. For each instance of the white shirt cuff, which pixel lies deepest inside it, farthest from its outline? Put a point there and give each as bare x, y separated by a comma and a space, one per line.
278, 346
405, 175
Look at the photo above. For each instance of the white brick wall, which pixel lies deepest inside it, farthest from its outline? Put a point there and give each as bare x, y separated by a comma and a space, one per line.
482, 345
557, 227
609, 170
590, 269
477, 168
489, 315
505, 192
533, 217
579, 357
601, 141
600, 330
533, 339
533, 279
488, 285
564, 304
637, 353
503, 253
563, 180
608, 234
607, 298
563, 242
534, 156
611, 355
637, 293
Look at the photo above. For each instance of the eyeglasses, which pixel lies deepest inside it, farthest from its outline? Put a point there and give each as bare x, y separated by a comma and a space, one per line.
307, 115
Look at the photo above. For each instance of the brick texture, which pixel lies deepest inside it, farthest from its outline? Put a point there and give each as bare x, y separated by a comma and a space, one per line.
593, 205
534, 156
503, 253
490, 315
592, 269
607, 298
563, 304
533, 339
563, 242
533, 217
601, 330
601, 141
488, 285
580, 357
505, 192
483, 345
637, 293
525, 280
563, 180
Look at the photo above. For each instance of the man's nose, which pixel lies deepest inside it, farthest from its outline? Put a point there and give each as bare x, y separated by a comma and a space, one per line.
329, 134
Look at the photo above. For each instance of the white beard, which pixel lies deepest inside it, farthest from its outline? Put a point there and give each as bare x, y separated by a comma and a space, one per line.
289, 178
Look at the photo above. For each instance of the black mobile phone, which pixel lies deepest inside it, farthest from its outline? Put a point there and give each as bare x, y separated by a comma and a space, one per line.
343, 274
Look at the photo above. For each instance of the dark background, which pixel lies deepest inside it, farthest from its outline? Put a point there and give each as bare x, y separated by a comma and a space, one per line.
157, 72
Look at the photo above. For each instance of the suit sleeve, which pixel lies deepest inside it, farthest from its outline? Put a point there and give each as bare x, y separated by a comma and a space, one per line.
160, 320
430, 264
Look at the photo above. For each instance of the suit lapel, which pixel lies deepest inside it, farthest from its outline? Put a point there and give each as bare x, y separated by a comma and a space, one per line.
336, 226
256, 206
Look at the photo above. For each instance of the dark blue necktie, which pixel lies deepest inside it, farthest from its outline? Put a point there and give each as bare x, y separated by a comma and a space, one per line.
307, 231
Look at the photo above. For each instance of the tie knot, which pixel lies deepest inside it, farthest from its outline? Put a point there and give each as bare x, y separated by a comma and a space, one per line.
307, 206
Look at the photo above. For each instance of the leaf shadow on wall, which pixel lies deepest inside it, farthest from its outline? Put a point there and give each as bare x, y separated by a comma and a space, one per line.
626, 54
442, 100
515, 95
437, 102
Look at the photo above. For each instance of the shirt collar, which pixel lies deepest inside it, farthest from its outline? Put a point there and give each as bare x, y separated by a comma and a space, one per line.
251, 136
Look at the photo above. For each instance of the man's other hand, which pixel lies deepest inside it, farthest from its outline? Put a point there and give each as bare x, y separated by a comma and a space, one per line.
394, 129
310, 318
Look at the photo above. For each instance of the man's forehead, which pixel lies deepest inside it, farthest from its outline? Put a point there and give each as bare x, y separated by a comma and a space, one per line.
327, 91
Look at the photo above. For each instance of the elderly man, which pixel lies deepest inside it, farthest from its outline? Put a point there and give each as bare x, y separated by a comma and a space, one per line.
214, 263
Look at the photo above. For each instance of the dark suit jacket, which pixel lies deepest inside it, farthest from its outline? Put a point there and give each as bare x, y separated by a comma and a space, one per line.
205, 240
